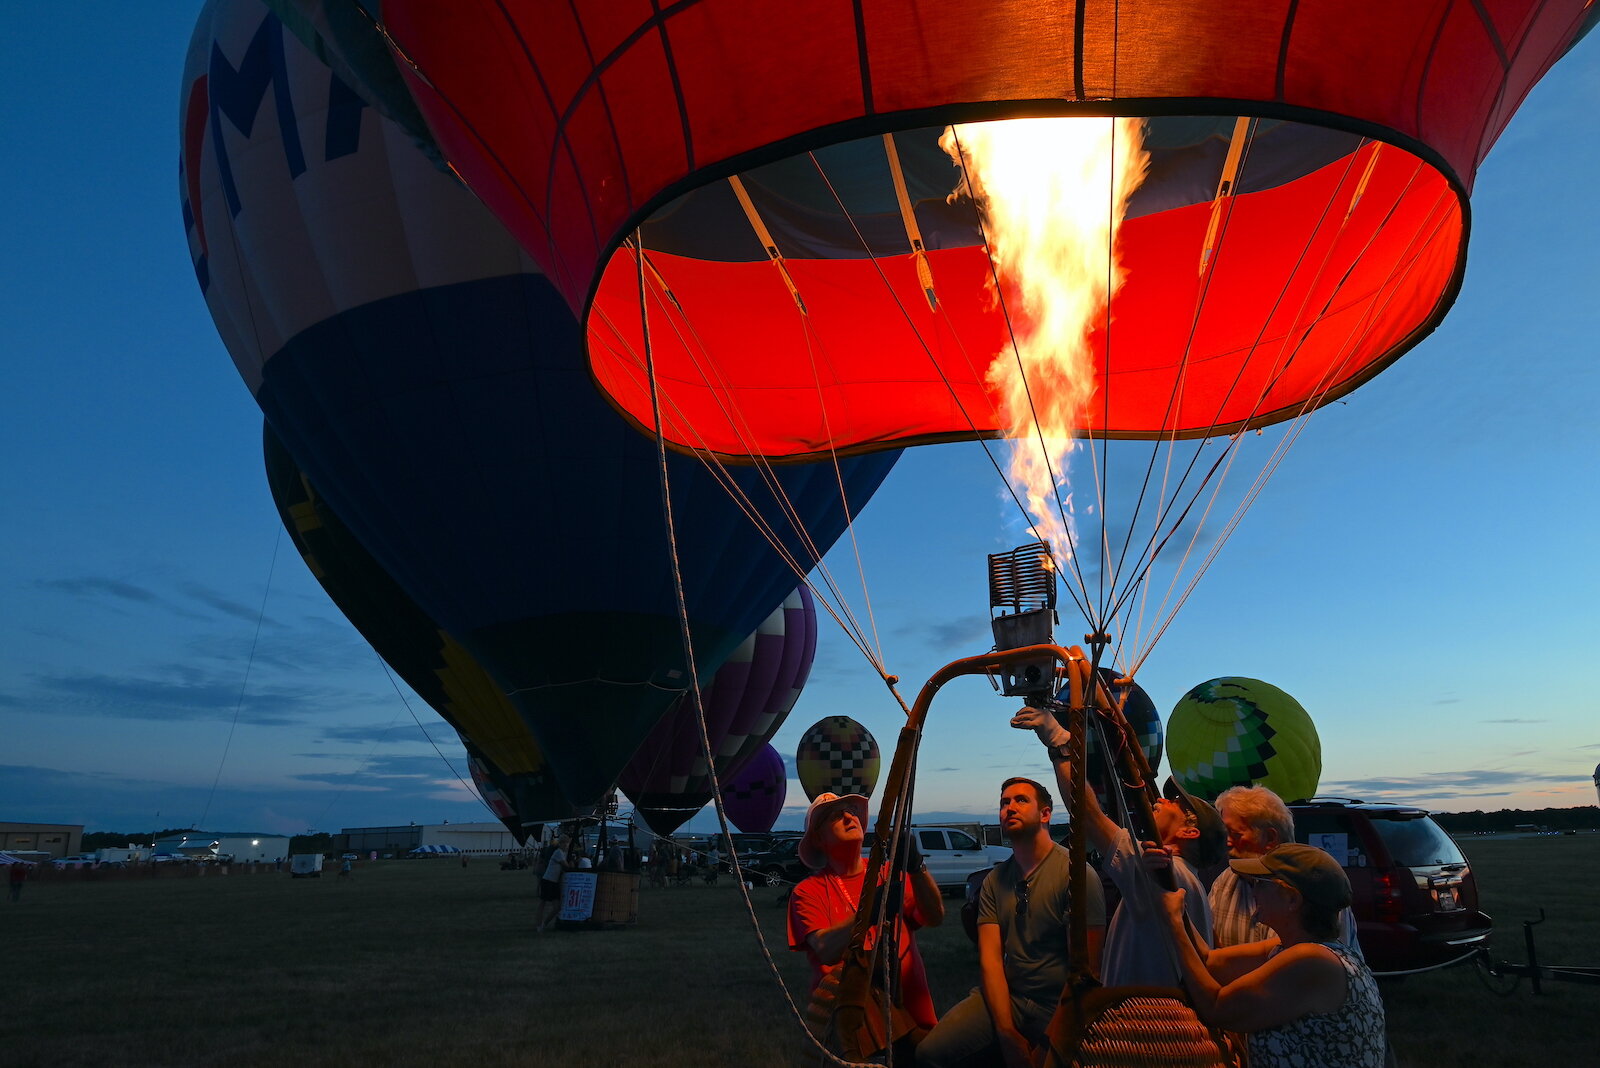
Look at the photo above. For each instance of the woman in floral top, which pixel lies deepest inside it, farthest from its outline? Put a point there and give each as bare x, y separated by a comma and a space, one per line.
1301, 998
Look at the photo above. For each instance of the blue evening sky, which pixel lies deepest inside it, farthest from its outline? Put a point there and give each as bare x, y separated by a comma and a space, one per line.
1420, 573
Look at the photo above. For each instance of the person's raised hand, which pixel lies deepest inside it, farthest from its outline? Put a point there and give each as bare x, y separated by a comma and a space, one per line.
1043, 724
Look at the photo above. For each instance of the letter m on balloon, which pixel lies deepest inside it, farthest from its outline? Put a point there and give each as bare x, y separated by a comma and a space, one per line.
237, 94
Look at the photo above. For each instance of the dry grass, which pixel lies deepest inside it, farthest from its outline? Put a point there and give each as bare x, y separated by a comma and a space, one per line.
423, 962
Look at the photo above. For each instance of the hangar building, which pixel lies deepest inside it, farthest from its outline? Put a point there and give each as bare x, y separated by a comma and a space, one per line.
57, 839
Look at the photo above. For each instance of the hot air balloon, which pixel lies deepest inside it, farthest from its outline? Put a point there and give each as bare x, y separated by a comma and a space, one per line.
750, 211
754, 799
503, 755
1345, 226
1239, 732
1278, 198
746, 702
837, 755
427, 378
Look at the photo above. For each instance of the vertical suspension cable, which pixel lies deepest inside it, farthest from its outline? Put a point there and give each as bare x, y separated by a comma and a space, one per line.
694, 676
244, 683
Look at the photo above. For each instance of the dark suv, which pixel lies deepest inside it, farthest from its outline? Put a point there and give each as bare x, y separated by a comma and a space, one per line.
777, 866
1414, 896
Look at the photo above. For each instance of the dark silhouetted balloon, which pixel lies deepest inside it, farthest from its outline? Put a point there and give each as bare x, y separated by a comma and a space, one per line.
504, 753
431, 383
754, 799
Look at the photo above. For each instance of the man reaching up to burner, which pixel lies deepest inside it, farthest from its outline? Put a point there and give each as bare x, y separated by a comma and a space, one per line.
1138, 950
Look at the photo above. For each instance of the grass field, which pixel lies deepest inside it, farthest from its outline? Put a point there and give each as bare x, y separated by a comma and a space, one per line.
426, 962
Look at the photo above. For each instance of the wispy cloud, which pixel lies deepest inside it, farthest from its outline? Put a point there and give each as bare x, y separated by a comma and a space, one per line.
114, 802
91, 586
1513, 721
426, 776
1445, 786
401, 731
410, 766
225, 605
179, 692
963, 632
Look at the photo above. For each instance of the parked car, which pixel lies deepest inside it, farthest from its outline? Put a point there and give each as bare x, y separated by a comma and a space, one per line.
81, 861
1413, 892
780, 865
750, 845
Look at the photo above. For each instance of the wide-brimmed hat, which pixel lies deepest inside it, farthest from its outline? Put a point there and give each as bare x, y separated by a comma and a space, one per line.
1213, 842
1310, 870
810, 850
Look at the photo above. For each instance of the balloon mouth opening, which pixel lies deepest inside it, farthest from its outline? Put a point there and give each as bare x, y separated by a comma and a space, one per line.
847, 299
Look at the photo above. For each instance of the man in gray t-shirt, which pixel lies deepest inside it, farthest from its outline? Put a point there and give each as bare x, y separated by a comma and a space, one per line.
1022, 944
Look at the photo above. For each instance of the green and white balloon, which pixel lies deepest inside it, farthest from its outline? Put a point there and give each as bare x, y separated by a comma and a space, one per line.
1235, 731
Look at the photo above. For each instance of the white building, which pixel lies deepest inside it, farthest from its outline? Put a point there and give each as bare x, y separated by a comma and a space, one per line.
479, 839
242, 846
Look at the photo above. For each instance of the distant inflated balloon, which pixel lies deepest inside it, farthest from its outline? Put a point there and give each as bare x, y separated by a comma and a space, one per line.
1143, 720
754, 799
837, 755
1240, 732
745, 703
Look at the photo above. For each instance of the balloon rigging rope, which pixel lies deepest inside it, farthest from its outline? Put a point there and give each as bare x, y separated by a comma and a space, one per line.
244, 683
472, 790
838, 475
694, 674
1300, 422
1157, 541
838, 608
1163, 501
736, 421
714, 463
1313, 400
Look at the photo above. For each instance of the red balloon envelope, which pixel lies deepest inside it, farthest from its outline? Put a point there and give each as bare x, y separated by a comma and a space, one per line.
831, 299
746, 702
754, 799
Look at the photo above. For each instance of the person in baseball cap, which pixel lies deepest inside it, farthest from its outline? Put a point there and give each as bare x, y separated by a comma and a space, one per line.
1301, 997
1310, 872
1204, 843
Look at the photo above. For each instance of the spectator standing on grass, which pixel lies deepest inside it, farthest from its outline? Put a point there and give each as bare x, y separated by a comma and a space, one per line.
550, 886
16, 877
344, 868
